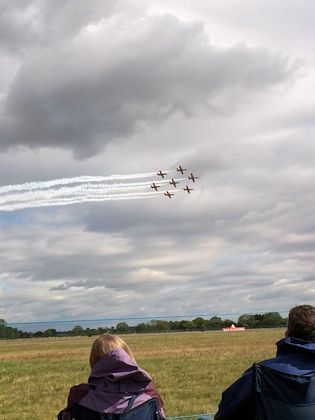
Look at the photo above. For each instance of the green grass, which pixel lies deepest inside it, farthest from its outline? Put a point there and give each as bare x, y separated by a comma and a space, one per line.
190, 369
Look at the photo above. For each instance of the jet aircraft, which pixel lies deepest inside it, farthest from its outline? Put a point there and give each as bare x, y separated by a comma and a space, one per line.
168, 194
188, 189
192, 177
155, 186
162, 174
173, 182
180, 169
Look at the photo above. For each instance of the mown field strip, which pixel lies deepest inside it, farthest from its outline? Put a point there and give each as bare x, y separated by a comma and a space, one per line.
190, 369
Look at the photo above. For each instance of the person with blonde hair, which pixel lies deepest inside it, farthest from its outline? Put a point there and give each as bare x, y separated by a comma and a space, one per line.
115, 382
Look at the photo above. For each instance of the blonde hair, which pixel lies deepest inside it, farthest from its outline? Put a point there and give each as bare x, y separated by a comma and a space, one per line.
106, 343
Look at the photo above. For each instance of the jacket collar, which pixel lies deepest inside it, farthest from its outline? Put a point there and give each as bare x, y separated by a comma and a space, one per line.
291, 344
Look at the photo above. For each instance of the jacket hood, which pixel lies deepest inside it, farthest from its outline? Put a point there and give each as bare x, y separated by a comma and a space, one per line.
113, 381
118, 365
291, 344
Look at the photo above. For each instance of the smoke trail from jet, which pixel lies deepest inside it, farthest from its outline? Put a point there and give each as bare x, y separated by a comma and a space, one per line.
75, 180
76, 200
82, 189
66, 191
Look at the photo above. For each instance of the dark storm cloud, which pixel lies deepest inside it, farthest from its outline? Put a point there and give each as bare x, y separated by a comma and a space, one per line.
90, 89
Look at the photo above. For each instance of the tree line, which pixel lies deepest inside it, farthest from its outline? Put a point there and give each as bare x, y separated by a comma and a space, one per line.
266, 320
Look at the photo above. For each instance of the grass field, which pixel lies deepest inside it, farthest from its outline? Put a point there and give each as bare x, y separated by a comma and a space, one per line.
189, 369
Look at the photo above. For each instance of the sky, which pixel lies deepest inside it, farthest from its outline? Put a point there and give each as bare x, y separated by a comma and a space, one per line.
224, 88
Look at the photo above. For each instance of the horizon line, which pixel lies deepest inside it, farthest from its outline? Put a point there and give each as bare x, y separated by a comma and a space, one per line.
63, 321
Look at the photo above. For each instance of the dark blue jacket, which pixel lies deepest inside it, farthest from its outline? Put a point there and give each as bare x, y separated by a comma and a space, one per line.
294, 356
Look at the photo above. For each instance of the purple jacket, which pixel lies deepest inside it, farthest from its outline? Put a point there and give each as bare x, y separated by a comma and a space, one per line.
113, 380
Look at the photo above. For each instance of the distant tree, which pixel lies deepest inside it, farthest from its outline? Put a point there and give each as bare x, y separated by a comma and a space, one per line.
103, 330
266, 320
142, 328
159, 326
186, 325
174, 325
200, 324
272, 320
77, 331
122, 328
91, 331
215, 323
8, 332
25, 334
248, 321
51, 332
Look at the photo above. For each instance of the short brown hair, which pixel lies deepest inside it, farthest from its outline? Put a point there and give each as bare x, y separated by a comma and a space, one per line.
106, 343
302, 322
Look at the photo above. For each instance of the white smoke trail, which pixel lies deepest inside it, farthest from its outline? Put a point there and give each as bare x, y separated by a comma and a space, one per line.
77, 200
66, 191
78, 190
75, 180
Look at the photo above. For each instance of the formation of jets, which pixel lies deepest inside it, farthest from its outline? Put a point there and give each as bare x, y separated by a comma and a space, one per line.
173, 182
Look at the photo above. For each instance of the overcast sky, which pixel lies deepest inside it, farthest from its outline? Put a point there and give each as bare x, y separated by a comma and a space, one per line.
224, 88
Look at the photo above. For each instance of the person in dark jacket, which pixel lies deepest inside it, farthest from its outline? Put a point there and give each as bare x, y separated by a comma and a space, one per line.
295, 355
115, 378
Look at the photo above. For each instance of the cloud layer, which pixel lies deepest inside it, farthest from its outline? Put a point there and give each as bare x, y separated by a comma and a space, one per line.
109, 75
114, 89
